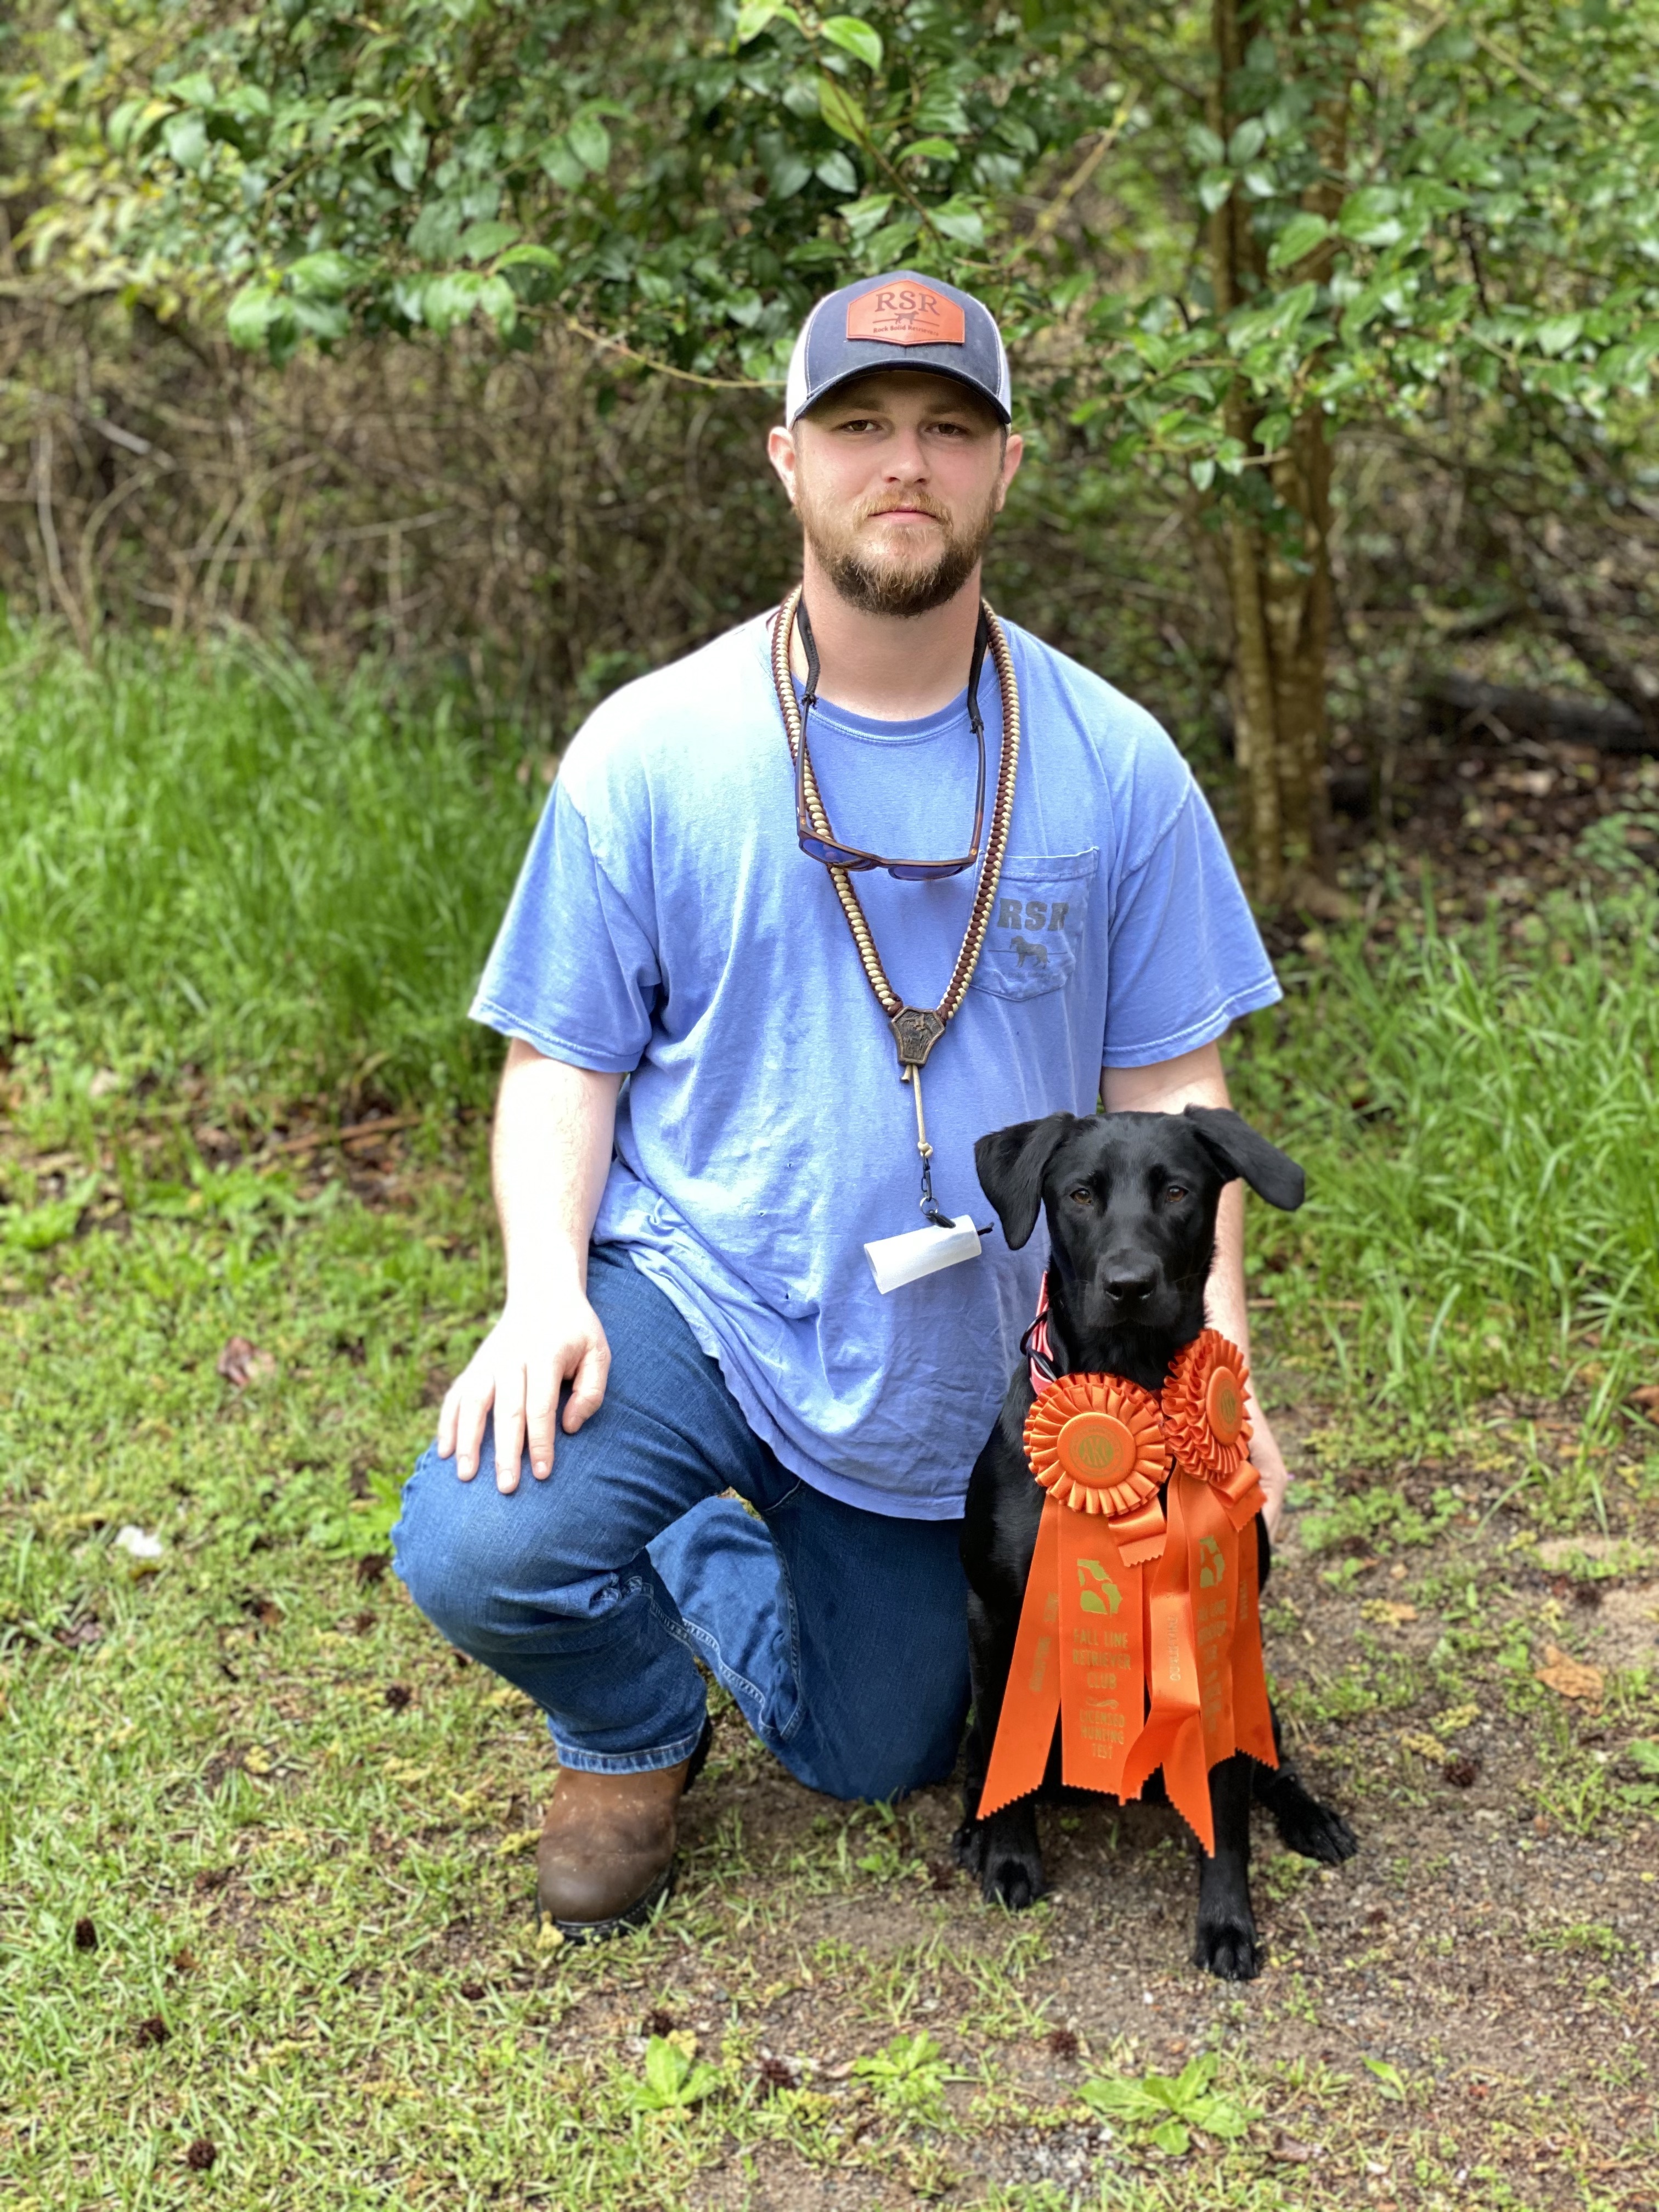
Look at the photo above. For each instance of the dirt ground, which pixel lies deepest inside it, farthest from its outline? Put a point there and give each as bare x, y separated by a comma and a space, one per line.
1465, 2007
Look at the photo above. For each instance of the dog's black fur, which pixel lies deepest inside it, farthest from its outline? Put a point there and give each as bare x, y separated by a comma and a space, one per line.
1131, 1202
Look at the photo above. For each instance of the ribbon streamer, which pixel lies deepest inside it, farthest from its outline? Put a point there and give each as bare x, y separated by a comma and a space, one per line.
1142, 1639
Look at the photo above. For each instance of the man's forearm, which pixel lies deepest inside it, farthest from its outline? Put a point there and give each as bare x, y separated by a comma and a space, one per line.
555, 1125
553, 1128
1196, 1079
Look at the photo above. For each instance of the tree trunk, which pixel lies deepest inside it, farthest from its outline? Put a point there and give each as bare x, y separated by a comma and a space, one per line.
1278, 567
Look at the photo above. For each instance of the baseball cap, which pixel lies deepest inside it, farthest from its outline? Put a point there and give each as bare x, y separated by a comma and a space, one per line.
900, 320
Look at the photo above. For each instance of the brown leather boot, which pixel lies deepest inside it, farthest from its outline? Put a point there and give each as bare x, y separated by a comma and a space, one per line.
606, 1856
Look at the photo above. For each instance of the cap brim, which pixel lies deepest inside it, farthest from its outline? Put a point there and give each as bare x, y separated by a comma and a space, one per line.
918, 362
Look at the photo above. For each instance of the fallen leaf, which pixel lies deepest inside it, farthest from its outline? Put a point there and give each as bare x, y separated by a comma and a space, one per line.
1568, 1677
1393, 1610
1646, 1399
241, 1363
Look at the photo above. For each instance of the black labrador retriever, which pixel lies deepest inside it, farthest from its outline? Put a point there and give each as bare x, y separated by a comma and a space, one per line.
1130, 1203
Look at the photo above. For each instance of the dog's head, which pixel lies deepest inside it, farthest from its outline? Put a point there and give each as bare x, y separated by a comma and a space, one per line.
1131, 1200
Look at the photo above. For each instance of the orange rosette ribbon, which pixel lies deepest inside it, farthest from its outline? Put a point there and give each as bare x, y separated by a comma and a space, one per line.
1142, 1640
1096, 1443
1206, 1424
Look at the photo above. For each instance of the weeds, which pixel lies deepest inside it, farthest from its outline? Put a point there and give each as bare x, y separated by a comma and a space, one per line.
1169, 2108
266, 1930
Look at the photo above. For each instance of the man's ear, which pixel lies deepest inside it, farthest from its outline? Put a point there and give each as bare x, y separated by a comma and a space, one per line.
1239, 1150
781, 451
1011, 1164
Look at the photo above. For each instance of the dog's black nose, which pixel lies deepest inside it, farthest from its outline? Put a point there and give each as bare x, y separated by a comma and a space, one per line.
1128, 1286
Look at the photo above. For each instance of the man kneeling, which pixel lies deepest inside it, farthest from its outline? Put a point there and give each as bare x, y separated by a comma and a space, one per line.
722, 972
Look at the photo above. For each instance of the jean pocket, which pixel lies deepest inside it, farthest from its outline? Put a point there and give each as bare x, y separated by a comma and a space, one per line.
777, 1505
1037, 924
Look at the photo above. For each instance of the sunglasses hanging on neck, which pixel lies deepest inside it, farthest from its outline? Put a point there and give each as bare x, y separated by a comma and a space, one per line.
829, 848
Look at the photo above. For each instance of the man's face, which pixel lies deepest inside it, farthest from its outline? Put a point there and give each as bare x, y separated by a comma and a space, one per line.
896, 478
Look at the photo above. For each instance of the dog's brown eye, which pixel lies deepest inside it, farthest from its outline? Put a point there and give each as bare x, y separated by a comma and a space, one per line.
1083, 1195
1175, 1194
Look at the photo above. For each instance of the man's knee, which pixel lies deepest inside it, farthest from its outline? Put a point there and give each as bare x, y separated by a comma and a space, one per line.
472, 1560
429, 1542
887, 1756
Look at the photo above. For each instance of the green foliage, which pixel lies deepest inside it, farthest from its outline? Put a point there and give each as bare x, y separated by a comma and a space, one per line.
1169, 2107
909, 2077
213, 860
674, 2081
687, 180
1389, 2080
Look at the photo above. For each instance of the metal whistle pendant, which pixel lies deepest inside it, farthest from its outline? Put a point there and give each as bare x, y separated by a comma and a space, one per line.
916, 1030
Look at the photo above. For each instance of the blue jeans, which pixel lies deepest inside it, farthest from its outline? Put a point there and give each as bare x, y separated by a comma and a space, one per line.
841, 1634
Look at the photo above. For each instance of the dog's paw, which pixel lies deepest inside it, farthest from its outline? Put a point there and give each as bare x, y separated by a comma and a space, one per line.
1315, 1830
1009, 1868
1229, 1950
1013, 1878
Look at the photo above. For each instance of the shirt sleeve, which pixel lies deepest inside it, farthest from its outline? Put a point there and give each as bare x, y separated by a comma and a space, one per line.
574, 969
1186, 957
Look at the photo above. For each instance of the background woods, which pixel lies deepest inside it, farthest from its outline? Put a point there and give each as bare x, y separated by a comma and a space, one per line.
1362, 294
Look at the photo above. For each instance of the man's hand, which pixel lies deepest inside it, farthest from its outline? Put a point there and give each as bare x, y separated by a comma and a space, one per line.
520, 1370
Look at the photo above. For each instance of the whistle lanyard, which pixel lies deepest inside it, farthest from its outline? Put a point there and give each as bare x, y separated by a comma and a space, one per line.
916, 1029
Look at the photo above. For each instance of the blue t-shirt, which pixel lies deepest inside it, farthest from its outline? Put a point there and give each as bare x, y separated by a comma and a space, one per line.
666, 925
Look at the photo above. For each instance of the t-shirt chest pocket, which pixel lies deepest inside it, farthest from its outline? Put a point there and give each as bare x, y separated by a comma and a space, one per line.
1037, 924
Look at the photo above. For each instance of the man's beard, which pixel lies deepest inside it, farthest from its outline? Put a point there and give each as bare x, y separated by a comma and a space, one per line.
881, 585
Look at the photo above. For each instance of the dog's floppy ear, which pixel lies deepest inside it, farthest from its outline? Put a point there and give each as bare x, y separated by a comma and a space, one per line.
1011, 1164
1242, 1150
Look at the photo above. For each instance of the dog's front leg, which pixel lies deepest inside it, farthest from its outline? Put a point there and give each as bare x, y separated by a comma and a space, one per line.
1003, 1851
1227, 1943
1316, 1831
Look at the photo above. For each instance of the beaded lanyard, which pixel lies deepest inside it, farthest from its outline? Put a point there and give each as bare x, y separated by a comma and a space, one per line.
916, 1029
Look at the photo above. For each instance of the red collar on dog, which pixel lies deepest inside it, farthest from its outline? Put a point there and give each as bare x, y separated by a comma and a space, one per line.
1034, 1342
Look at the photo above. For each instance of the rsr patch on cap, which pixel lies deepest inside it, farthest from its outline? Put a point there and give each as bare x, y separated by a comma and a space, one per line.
906, 315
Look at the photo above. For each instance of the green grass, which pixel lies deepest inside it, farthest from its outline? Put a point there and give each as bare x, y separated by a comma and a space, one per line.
207, 859
1476, 1117
300, 1833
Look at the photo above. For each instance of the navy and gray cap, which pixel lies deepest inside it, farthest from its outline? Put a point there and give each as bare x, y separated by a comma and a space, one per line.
898, 321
